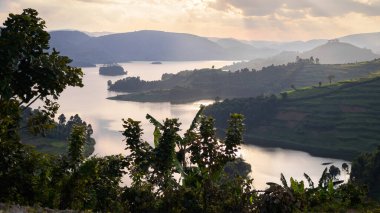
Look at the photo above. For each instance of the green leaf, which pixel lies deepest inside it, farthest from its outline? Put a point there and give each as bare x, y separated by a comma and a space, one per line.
196, 118
157, 136
154, 121
311, 183
283, 181
179, 167
330, 188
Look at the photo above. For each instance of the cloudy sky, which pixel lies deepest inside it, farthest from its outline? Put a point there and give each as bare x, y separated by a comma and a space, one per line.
281, 20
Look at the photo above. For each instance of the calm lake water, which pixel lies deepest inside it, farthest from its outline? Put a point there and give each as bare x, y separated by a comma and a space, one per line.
105, 116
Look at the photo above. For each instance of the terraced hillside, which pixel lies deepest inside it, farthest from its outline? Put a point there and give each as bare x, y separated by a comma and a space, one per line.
187, 86
339, 120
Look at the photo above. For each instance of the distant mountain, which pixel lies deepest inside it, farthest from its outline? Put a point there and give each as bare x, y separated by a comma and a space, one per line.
243, 50
96, 34
364, 40
294, 46
332, 52
148, 46
140, 45
257, 64
336, 52
64, 41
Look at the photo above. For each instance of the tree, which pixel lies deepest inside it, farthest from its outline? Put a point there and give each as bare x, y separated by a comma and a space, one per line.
28, 71
330, 77
203, 180
317, 60
312, 61
62, 119
298, 59
234, 135
366, 170
76, 146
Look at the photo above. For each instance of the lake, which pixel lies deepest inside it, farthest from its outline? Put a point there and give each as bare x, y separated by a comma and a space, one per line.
106, 117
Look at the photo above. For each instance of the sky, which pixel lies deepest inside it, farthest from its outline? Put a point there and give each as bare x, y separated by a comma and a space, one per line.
276, 20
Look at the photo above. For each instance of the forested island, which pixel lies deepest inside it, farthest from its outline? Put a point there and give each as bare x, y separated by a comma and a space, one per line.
187, 86
112, 70
212, 178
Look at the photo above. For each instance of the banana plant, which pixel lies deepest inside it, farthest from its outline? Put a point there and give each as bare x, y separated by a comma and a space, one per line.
180, 160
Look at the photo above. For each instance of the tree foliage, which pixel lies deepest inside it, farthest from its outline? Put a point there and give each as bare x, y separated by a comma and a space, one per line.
366, 170
28, 71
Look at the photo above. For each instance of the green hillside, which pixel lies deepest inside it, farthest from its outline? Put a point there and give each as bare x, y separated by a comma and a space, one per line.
194, 85
339, 120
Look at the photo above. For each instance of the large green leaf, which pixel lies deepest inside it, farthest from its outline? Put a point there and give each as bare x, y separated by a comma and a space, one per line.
157, 136
196, 118
153, 121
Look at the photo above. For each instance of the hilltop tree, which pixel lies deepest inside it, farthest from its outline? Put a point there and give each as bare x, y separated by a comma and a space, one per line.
317, 61
330, 77
312, 61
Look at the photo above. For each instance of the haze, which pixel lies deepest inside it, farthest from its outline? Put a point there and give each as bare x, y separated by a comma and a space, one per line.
241, 19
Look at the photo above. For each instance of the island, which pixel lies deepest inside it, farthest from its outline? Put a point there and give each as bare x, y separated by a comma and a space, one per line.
112, 70
156, 62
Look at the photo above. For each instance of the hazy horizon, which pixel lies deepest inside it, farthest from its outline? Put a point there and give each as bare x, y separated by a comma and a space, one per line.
271, 20
102, 33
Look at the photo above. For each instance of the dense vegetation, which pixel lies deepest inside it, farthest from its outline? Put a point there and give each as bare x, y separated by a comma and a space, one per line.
196, 172
366, 170
211, 83
111, 70
339, 120
54, 135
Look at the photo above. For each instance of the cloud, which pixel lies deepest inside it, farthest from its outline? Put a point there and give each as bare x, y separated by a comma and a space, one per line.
100, 1
243, 19
318, 8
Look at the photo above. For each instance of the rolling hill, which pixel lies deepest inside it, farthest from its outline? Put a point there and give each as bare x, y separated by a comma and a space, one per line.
241, 50
364, 40
332, 52
336, 52
148, 45
195, 85
339, 120
294, 46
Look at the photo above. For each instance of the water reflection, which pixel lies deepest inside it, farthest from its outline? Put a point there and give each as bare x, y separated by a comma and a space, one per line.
105, 116
268, 163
